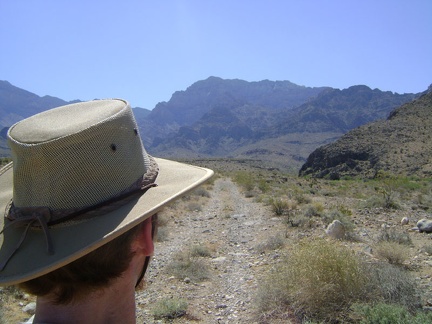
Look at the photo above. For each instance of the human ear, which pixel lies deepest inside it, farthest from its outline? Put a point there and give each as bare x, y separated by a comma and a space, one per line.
143, 242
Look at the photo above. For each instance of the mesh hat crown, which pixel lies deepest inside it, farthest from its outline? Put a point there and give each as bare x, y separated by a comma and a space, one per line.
76, 156
80, 177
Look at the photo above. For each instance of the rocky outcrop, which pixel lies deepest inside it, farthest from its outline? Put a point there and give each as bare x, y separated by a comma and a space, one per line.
401, 144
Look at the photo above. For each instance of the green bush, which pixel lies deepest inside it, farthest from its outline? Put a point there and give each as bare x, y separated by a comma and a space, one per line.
263, 185
382, 313
388, 187
169, 308
245, 180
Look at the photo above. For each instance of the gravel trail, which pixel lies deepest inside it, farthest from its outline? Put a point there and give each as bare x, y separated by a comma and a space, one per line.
233, 226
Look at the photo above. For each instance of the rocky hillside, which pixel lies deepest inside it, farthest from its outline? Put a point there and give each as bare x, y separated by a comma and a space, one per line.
401, 144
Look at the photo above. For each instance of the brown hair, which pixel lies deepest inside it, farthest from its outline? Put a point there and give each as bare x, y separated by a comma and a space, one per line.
86, 274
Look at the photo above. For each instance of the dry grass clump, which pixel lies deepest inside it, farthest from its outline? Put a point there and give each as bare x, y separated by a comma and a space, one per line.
392, 252
169, 308
392, 235
391, 284
314, 209
201, 192
320, 280
272, 243
200, 250
279, 206
186, 265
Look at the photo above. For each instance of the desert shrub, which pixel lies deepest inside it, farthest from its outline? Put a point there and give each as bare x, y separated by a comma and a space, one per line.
382, 313
279, 206
245, 180
302, 199
201, 192
263, 185
200, 250
184, 265
373, 202
272, 243
194, 207
333, 214
319, 281
424, 200
315, 209
391, 284
394, 253
344, 210
249, 194
169, 308
387, 187
392, 235
300, 220
427, 249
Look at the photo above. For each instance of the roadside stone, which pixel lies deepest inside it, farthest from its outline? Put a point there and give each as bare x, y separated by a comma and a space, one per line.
424, 225
30, 308
336, 230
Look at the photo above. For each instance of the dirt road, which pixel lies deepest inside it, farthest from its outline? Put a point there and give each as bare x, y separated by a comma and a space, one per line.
232, 226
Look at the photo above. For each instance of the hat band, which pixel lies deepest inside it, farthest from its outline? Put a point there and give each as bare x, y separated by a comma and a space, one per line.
42, 217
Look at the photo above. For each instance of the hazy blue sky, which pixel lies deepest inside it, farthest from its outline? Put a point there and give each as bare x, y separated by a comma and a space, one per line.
144, 51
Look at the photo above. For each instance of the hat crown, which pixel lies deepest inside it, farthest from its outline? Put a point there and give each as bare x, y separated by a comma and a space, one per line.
76, 155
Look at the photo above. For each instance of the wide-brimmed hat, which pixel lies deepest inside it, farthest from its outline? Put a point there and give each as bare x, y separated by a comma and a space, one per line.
80, 177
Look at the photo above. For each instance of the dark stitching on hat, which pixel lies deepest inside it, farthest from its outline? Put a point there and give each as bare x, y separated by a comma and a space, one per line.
113, 147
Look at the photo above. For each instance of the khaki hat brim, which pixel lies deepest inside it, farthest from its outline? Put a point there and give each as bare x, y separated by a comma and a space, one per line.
73, 241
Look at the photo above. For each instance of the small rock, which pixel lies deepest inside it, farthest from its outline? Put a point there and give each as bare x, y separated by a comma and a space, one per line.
187, 280
30, 308
405, 221
219, 259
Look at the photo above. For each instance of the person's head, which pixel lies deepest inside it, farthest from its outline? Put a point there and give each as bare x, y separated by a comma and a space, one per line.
79, 191
94, 271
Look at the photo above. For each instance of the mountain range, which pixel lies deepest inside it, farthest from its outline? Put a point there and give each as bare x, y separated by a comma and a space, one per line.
277, 123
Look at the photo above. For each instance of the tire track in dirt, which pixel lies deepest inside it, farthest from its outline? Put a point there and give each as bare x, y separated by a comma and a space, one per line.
233, 226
